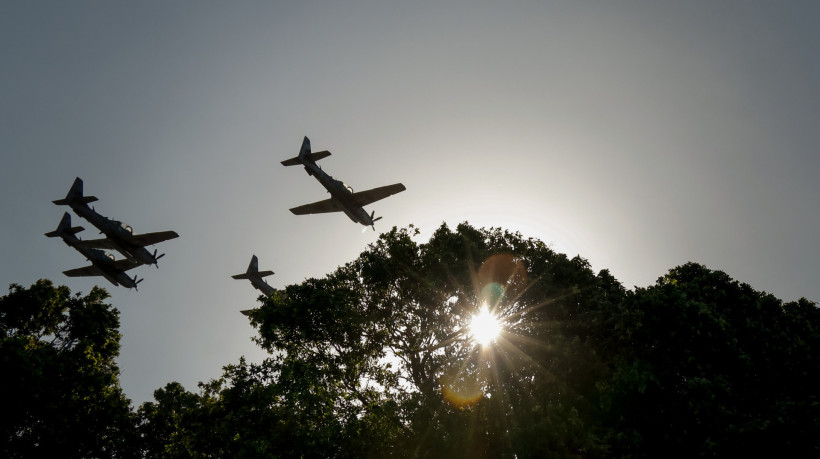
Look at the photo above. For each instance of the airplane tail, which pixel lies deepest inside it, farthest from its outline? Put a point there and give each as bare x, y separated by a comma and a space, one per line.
305, 155
305, 150
253, 270
75, 194
65, 227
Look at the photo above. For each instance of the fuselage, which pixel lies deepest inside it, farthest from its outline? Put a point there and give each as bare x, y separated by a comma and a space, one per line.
102, 262
117, 232
259, 284
339, 192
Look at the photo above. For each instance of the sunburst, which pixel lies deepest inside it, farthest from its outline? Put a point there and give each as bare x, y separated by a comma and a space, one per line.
484, 326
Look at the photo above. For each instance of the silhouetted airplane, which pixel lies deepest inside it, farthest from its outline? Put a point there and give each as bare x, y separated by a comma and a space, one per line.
342, 196
102, 264
255, 276
120, 237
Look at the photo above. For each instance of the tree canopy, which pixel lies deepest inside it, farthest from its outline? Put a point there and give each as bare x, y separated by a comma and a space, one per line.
377, 359
61, 393
380, 358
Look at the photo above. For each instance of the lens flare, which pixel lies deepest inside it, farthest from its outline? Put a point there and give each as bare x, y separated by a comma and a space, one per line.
484, 327
460, 392
492, 294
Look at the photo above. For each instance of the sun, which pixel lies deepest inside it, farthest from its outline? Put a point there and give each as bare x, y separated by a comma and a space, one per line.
484, 327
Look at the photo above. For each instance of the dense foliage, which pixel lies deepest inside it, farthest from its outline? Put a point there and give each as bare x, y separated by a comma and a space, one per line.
709, 366
61, 394
377, 359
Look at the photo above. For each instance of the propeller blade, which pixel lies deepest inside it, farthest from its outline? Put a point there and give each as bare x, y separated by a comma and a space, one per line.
373, 220
156, 258
136, 281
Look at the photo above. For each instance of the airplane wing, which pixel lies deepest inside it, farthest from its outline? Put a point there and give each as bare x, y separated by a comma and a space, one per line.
83, 272
96, 244
320, 207
125, 264
366, 197
152, 238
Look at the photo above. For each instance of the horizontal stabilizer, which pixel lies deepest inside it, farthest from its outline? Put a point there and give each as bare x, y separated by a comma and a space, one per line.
65, 228
82, 199
311, 157
75, 195
72, 230
253, 274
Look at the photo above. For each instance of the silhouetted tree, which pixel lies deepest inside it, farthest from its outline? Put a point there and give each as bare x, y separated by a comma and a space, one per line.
376, 360
709, 366
61, 394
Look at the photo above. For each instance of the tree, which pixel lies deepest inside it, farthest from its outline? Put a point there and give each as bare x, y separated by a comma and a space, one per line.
377, 359
709, 366
60, 381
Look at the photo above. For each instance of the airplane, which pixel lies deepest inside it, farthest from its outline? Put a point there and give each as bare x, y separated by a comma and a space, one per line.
342, 196
119, 236
102, 263
255, 276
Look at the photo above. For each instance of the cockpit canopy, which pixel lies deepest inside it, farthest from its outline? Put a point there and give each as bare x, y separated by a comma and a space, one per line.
122, 226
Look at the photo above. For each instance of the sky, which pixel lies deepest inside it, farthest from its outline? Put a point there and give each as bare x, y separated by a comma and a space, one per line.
638, 134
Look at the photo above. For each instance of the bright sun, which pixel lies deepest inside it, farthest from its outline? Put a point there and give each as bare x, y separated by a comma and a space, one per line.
484, 327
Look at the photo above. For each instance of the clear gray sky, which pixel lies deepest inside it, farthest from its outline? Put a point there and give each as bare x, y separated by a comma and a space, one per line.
638, 134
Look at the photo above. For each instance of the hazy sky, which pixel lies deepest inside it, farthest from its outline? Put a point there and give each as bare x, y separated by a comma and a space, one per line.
638, 134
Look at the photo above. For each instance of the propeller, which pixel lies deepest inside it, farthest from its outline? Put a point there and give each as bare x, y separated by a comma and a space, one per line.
156, 258
373, 220
136, 281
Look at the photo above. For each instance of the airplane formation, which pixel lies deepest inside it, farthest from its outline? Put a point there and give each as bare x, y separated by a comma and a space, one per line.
121, 237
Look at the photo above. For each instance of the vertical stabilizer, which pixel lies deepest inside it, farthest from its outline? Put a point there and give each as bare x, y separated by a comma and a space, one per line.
65, 227
305, 156
75, 194
254, 266
305, 151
